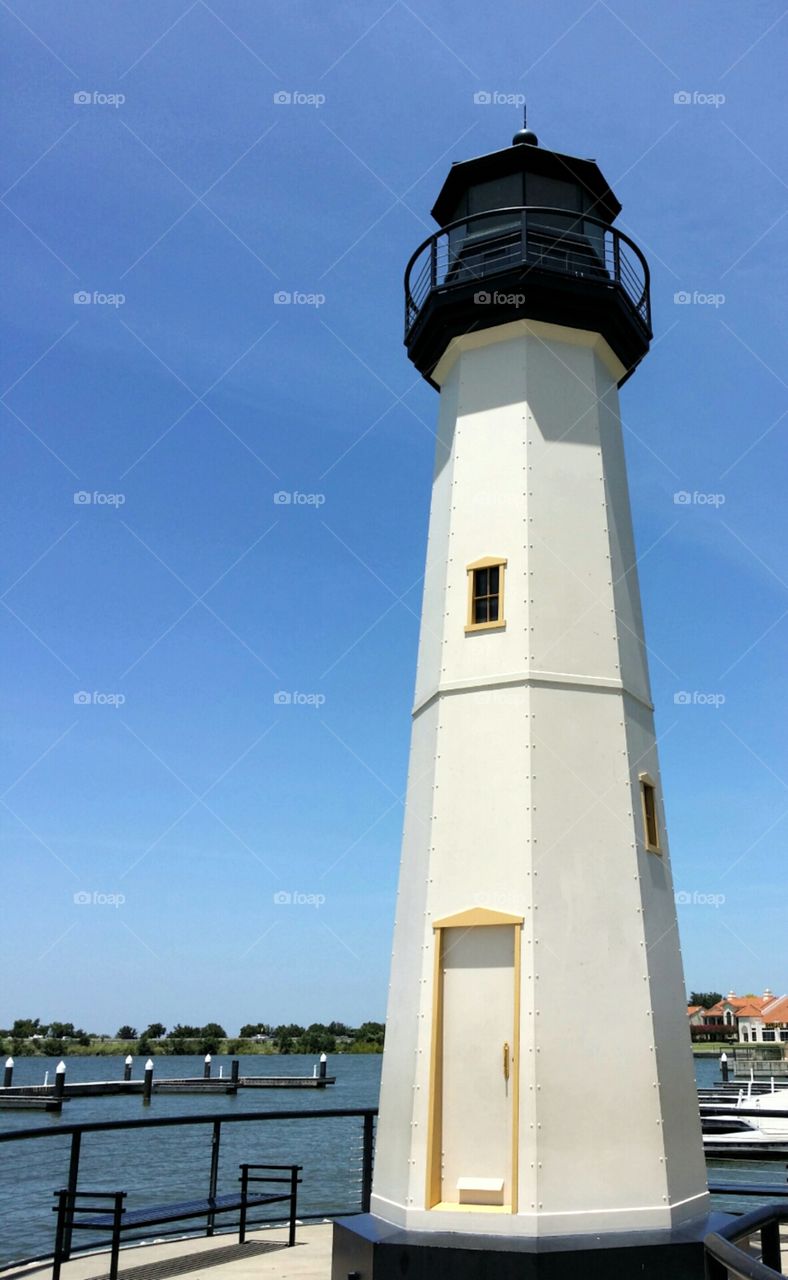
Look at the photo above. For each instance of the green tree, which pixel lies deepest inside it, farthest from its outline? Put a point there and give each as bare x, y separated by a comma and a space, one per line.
290, 1030
61, 1030
213, 1031
127, 1032
316, 1039
371, 1032
184, 1032
23, 1028
705, 998
155, 1031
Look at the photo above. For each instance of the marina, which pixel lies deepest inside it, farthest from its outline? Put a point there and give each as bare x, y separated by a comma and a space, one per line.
196, 1149
50, 1097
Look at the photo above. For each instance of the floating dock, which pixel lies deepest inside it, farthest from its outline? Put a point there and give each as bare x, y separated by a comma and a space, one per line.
30, 1102
48, 1096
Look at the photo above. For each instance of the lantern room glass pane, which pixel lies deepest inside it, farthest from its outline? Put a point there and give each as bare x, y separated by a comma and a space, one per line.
499, 193
554, 193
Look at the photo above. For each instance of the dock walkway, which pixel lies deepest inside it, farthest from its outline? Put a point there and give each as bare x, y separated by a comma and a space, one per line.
264, 1256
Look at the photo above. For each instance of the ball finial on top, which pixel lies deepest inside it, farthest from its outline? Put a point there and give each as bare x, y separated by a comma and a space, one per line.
525, 136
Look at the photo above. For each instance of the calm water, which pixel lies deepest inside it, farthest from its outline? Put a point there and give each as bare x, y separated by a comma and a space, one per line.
174, 1163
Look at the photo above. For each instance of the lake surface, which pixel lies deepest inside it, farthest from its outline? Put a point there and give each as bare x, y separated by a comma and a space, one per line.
171, 1164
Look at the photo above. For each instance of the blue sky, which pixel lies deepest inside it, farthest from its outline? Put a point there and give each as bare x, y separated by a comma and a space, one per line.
186, 398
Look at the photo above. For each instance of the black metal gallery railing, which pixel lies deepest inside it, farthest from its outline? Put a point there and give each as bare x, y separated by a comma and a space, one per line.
316, 1148
483, 245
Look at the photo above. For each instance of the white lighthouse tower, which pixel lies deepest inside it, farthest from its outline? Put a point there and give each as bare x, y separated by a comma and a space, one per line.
538, 1094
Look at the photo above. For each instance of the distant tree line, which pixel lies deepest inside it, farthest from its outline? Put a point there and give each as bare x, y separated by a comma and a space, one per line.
706, 999
52, 1038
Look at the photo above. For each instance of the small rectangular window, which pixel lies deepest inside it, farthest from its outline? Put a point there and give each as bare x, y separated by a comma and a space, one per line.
485, 594
648, 795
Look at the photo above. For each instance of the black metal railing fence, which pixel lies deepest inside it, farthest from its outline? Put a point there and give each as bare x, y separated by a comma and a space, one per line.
480, 246
336, 1152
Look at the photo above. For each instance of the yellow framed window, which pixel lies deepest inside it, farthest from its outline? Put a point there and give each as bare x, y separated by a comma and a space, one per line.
648, 799
485, 594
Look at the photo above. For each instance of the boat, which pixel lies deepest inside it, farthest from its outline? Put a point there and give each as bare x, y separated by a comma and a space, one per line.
723, 1128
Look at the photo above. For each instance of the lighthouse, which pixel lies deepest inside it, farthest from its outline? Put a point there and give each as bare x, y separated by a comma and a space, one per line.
538, 1098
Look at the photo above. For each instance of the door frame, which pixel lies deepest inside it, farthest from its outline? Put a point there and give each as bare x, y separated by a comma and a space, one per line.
474, 918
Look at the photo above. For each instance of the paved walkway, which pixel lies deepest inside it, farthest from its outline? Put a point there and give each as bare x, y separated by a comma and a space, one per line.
264, 1256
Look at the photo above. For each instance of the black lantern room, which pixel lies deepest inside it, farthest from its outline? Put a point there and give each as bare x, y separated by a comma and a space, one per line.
526, 233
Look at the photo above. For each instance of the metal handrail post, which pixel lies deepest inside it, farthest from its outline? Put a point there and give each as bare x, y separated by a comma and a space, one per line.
213, 1181
73, 1178
771, 1254
367, 1159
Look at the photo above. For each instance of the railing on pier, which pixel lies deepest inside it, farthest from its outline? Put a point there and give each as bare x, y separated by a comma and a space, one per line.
482, 245
360, 1169
748, 1248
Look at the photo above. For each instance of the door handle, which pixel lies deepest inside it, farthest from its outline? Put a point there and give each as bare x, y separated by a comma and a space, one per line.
506, 1060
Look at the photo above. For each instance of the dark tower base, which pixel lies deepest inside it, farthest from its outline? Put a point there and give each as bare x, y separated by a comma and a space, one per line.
367, 1248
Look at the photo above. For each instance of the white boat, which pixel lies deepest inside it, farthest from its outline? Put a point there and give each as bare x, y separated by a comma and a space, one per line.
726, 1128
